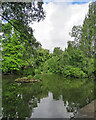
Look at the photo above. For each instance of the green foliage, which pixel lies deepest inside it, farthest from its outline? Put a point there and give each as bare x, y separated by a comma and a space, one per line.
19, 43
41, 55
51, 65
19, 11
26, 56
70, 71
90, 67
29, 77
28, 71
88, 31
17, 51
84, 37
23, 13
72, 63
37, 76
65, 59
57, 51
37, 71
12, 50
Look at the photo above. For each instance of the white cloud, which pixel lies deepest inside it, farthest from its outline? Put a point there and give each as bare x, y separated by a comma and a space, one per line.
60, 18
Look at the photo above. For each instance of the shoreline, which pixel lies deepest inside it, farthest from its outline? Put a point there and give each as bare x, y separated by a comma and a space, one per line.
89, 111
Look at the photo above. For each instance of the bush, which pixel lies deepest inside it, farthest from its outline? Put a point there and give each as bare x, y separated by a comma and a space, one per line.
28, 71
37, 71
73, 72
51, 65
29, 77
37, 76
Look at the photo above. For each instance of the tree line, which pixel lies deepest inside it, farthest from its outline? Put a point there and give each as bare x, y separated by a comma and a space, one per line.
23, 54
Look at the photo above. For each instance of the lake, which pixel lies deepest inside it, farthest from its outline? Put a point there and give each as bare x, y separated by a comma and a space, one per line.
53, 97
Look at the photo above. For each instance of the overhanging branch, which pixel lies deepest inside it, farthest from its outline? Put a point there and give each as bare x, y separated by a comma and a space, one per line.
12, 25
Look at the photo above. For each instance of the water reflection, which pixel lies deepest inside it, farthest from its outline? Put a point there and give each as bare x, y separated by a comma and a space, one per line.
50, 108
54, 97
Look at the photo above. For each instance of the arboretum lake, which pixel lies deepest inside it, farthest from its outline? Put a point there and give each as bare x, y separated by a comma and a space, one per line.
53, 97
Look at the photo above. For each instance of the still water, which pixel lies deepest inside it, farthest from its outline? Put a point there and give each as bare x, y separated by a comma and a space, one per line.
53, 97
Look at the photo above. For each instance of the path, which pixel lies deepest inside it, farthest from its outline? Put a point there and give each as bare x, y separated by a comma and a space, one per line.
89, 111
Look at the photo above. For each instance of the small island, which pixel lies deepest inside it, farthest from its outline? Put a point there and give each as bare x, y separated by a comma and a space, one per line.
28, 79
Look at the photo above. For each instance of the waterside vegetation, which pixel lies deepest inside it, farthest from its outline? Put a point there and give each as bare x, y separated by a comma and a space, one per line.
25, 56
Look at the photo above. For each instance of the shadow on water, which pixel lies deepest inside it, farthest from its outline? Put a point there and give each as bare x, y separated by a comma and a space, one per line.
54, 97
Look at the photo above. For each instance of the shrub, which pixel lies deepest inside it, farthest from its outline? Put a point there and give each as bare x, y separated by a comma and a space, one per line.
37, 76
73, 72
37, 71
29, 77
28, 71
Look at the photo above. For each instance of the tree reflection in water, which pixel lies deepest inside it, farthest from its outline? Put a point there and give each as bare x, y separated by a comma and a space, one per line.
21, 100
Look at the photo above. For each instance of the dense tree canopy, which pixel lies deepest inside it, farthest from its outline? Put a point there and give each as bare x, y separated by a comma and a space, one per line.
23, 13
57, 51
12, 49
85, 35
18, 43
25, 53
78, 59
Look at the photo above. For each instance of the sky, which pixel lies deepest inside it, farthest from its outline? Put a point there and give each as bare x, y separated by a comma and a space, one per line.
61, 16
